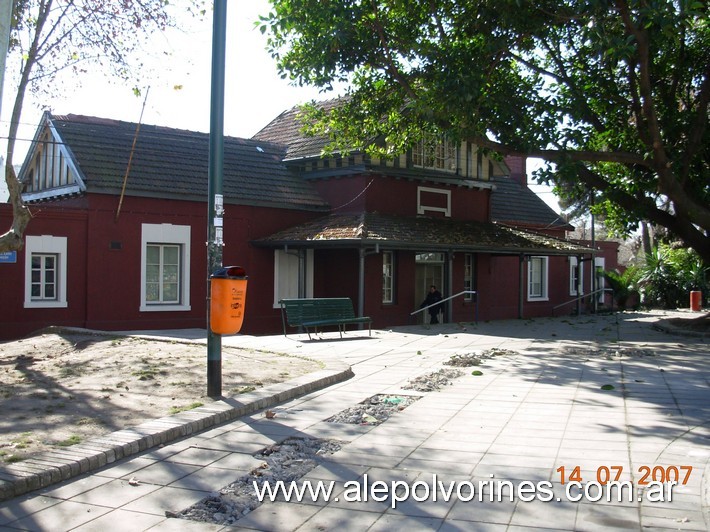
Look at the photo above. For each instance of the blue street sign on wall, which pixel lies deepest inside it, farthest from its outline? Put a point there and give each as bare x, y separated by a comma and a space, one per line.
8, 257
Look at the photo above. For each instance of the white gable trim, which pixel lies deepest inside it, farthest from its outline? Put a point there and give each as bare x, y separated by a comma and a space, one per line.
50, 157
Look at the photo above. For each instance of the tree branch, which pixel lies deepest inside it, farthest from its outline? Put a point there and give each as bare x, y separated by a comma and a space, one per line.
697, 126
679, 225
564, 79
439, 26
390, 64
685, 205
646, 91
560, 155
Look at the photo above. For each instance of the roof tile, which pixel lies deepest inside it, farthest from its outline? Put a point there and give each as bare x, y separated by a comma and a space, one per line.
254, 172
419, 232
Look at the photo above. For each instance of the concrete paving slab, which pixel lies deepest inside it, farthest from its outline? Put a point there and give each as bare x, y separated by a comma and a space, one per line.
531, 412
66, 514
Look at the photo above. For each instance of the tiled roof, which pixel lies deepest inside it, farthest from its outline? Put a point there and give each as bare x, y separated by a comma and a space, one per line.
421, 233
515, 204
174, 163
286, 129
512, 202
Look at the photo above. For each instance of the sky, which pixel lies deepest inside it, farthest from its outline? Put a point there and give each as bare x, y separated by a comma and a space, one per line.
254, 92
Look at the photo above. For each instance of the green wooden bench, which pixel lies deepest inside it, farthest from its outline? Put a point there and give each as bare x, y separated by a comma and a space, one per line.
320, 312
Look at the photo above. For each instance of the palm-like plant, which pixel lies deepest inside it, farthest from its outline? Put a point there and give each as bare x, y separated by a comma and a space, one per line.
624, 284
670, 274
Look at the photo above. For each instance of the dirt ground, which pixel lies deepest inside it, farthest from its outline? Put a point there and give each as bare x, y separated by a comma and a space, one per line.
60, 387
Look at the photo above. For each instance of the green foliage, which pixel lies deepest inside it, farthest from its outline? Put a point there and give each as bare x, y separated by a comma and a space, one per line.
624, 284
71, 440
614, 95
184, 408
670, 274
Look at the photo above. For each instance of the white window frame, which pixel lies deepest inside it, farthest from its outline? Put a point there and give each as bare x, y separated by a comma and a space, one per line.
156, 234
599, 264
469, 270
47, 245
388, 277
573, 279
286, 275
543, 278
438, 153
423, 209
162, 298
43, 271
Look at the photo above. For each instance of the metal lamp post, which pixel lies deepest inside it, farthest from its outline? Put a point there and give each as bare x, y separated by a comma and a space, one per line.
215, 209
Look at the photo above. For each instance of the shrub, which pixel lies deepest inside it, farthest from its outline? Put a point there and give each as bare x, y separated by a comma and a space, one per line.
624, 284
670, 274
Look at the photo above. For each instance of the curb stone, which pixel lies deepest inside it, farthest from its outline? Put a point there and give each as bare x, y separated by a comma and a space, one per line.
62, 464
666, 327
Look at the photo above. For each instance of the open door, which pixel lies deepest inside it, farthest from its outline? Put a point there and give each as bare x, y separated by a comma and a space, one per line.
429, 271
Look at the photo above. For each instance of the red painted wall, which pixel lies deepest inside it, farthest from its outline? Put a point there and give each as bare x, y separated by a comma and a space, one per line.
17, 321
104, 284
398, 196
516, 165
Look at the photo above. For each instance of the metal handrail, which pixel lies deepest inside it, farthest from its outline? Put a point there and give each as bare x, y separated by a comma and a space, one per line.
586, 295
474, 292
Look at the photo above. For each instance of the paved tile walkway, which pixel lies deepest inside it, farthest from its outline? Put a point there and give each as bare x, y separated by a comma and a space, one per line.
528, 415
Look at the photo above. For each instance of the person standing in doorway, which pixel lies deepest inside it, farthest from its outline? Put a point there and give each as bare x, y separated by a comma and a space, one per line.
433, 297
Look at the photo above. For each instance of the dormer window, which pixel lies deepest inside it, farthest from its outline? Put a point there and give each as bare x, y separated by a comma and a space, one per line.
435, 152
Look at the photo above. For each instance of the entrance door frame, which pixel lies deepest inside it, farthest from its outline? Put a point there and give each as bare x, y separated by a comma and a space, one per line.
430, 269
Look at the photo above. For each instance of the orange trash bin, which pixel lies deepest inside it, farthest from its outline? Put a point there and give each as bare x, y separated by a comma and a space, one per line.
228, 287
696, 300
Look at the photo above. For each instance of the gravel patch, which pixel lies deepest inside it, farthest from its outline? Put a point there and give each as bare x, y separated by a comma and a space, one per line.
286, 461
609, 353
373, 410
291, 459
433, 381
475, 359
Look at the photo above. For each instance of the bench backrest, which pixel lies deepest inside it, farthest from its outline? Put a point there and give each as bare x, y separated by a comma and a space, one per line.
300, 311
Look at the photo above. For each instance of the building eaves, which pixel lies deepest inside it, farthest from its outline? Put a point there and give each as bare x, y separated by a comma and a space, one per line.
418, 233
409, 174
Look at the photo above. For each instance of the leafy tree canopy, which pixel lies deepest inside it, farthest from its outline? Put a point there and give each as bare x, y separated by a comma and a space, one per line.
613, 94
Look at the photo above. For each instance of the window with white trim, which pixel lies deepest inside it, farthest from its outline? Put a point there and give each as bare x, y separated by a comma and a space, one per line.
601, 281
165, 267
44, 276
162, 273
388, 277
286, 275
575, 275
45, 272
468, 273
537, 278
435, 152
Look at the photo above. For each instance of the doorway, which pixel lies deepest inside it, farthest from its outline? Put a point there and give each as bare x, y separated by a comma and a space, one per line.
429, 271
